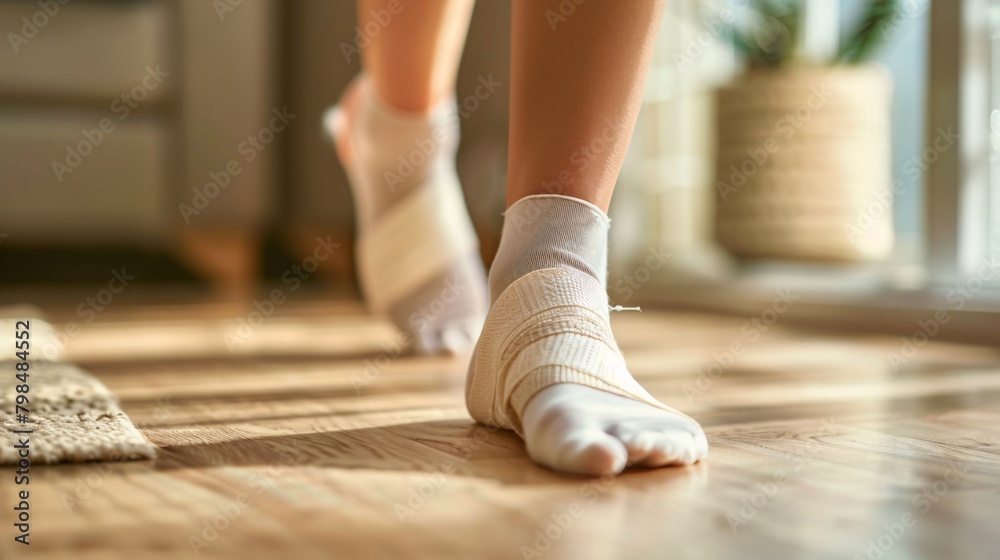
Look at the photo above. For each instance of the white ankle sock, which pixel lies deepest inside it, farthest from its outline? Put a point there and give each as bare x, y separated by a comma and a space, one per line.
418, 255
547, 365
545, 231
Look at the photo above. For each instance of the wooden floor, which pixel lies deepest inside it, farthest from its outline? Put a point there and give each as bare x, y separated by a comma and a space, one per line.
312, 438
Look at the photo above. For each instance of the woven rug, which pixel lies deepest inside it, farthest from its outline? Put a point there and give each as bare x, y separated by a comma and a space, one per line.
70, 414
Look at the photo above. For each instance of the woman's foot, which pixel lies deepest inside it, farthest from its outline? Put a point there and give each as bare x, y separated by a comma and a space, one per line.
579, 429
418, 255
547, 365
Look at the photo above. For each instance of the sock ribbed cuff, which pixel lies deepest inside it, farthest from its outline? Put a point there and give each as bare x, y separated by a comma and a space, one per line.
550, 231
445, 112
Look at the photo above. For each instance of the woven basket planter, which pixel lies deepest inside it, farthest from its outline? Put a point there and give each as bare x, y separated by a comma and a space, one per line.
804, 165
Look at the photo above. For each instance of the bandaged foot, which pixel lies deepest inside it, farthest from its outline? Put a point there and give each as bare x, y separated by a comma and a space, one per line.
418, 257
547, 365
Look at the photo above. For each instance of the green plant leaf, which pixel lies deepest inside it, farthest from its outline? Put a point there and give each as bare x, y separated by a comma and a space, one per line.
877, 24
770, 38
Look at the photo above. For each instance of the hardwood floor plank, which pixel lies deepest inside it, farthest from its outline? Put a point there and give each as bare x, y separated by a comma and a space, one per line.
820, 448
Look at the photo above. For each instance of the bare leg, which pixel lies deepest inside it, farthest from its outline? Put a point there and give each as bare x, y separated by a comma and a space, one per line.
584, 81
547, 365
396, 133
414, 58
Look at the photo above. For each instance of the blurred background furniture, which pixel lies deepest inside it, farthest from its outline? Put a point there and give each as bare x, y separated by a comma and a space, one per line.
177, 88
157, 178
228, 66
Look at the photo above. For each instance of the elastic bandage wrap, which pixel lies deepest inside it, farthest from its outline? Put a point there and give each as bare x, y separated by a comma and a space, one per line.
549, 322
550, 326
414, 222
401, 252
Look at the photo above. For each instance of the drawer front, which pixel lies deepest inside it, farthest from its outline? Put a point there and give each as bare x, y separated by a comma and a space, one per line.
65, 180
95, 51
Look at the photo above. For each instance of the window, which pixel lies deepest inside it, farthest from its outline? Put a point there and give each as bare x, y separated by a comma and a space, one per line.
944, 57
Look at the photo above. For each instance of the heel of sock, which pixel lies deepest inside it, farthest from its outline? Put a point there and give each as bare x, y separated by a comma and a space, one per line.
333, 122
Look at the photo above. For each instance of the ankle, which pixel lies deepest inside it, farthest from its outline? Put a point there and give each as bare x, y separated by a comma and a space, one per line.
398, 132
392, 152
550, 231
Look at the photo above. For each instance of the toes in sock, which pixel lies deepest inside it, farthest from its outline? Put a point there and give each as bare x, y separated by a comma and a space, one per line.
547, 365
418, 255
